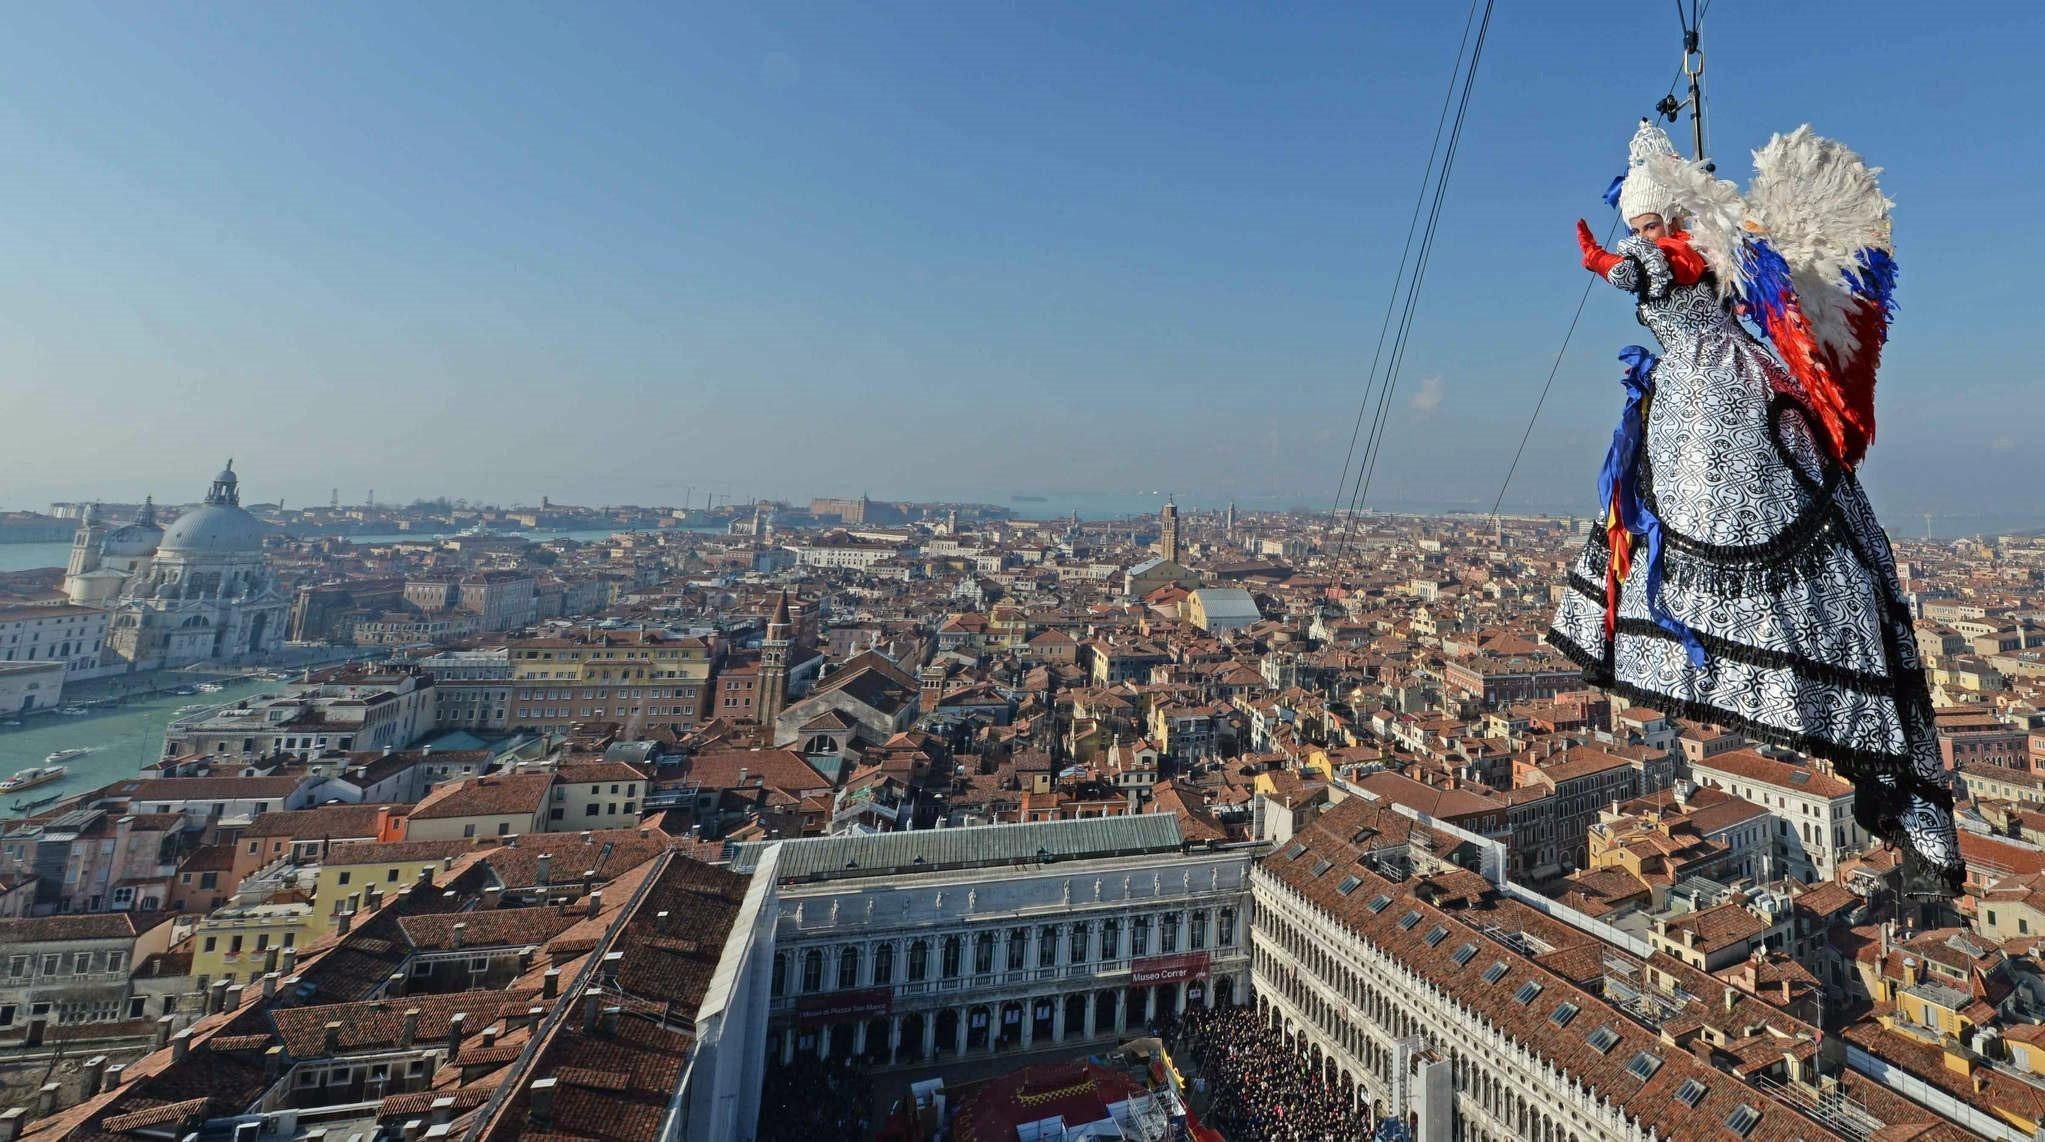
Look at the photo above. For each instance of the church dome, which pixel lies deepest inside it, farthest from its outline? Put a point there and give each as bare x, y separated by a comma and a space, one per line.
141, 537
213, 529
217, 527
134, 539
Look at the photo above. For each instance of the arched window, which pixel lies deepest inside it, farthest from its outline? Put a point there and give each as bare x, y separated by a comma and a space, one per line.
953, 946
884, 964
1199, 932
983, 953
848, 966
780, 972
812, 970
1079, 935
1111, 939
919, 960
1018, 946
1047, 946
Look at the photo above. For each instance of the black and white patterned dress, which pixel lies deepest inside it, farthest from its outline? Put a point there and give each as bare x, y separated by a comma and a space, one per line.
1773, 559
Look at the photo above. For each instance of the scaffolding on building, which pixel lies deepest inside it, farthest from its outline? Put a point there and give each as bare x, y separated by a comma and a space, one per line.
1833, 1107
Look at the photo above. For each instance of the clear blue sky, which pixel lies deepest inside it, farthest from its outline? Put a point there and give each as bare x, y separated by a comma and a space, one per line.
601, 252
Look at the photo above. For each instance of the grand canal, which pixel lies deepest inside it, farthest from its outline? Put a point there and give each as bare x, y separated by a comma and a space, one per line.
123, 738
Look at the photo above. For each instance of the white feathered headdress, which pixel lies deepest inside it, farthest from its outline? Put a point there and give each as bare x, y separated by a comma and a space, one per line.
1687, 196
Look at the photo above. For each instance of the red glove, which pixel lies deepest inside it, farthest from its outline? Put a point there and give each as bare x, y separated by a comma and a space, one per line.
1685, 263
1596, 258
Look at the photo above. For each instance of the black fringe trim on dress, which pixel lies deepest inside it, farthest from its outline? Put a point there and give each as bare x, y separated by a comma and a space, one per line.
1877, 807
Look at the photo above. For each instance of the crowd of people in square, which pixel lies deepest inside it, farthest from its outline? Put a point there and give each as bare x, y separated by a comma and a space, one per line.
1253, 1085
816, 1100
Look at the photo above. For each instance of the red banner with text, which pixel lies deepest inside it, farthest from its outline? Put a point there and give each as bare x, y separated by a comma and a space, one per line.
1168, 969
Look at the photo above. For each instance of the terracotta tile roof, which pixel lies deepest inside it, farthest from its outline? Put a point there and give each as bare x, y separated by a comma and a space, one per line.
419, 1102
490, 927
1748, 765
1718, 927
778, 768
394, 852
322, 822
497, 796
159, 1115
378, 1025
1652, 1100
607, 853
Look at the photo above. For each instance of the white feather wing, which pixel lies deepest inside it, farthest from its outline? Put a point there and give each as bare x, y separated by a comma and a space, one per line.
1817, 203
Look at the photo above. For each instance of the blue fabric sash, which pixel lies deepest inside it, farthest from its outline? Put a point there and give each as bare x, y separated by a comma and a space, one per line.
1617, 480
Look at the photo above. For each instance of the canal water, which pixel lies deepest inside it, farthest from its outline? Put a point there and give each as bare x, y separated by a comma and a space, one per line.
125, 738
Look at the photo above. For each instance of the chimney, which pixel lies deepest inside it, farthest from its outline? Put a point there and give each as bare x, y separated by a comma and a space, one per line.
234, 993
540, 1103
113, 1076
592, 1006
456, 1024
587, 836
216, 997
490, 1036
273, 1063
344, 922
550, 983
394, 987
412, 1129
164, 1024
180, 1045
442, 1110
546, 867
46, 1099
493, 897
461, 930
10, 1123
410, 1030
88, 1076
425, 879
288, 963
596, 904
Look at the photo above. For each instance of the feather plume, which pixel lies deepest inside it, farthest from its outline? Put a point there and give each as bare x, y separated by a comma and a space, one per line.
1819, 206
1820, 276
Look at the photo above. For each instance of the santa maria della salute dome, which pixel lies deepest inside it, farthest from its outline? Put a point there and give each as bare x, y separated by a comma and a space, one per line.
195, 591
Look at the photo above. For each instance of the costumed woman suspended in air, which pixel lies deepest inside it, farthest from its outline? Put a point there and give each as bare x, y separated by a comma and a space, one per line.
1740, 576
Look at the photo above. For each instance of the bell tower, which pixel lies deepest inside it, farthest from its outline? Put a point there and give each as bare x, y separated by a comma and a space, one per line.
85, 544
1168, 530
774, 662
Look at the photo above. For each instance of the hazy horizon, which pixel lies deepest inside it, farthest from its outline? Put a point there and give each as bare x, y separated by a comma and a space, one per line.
787, 251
